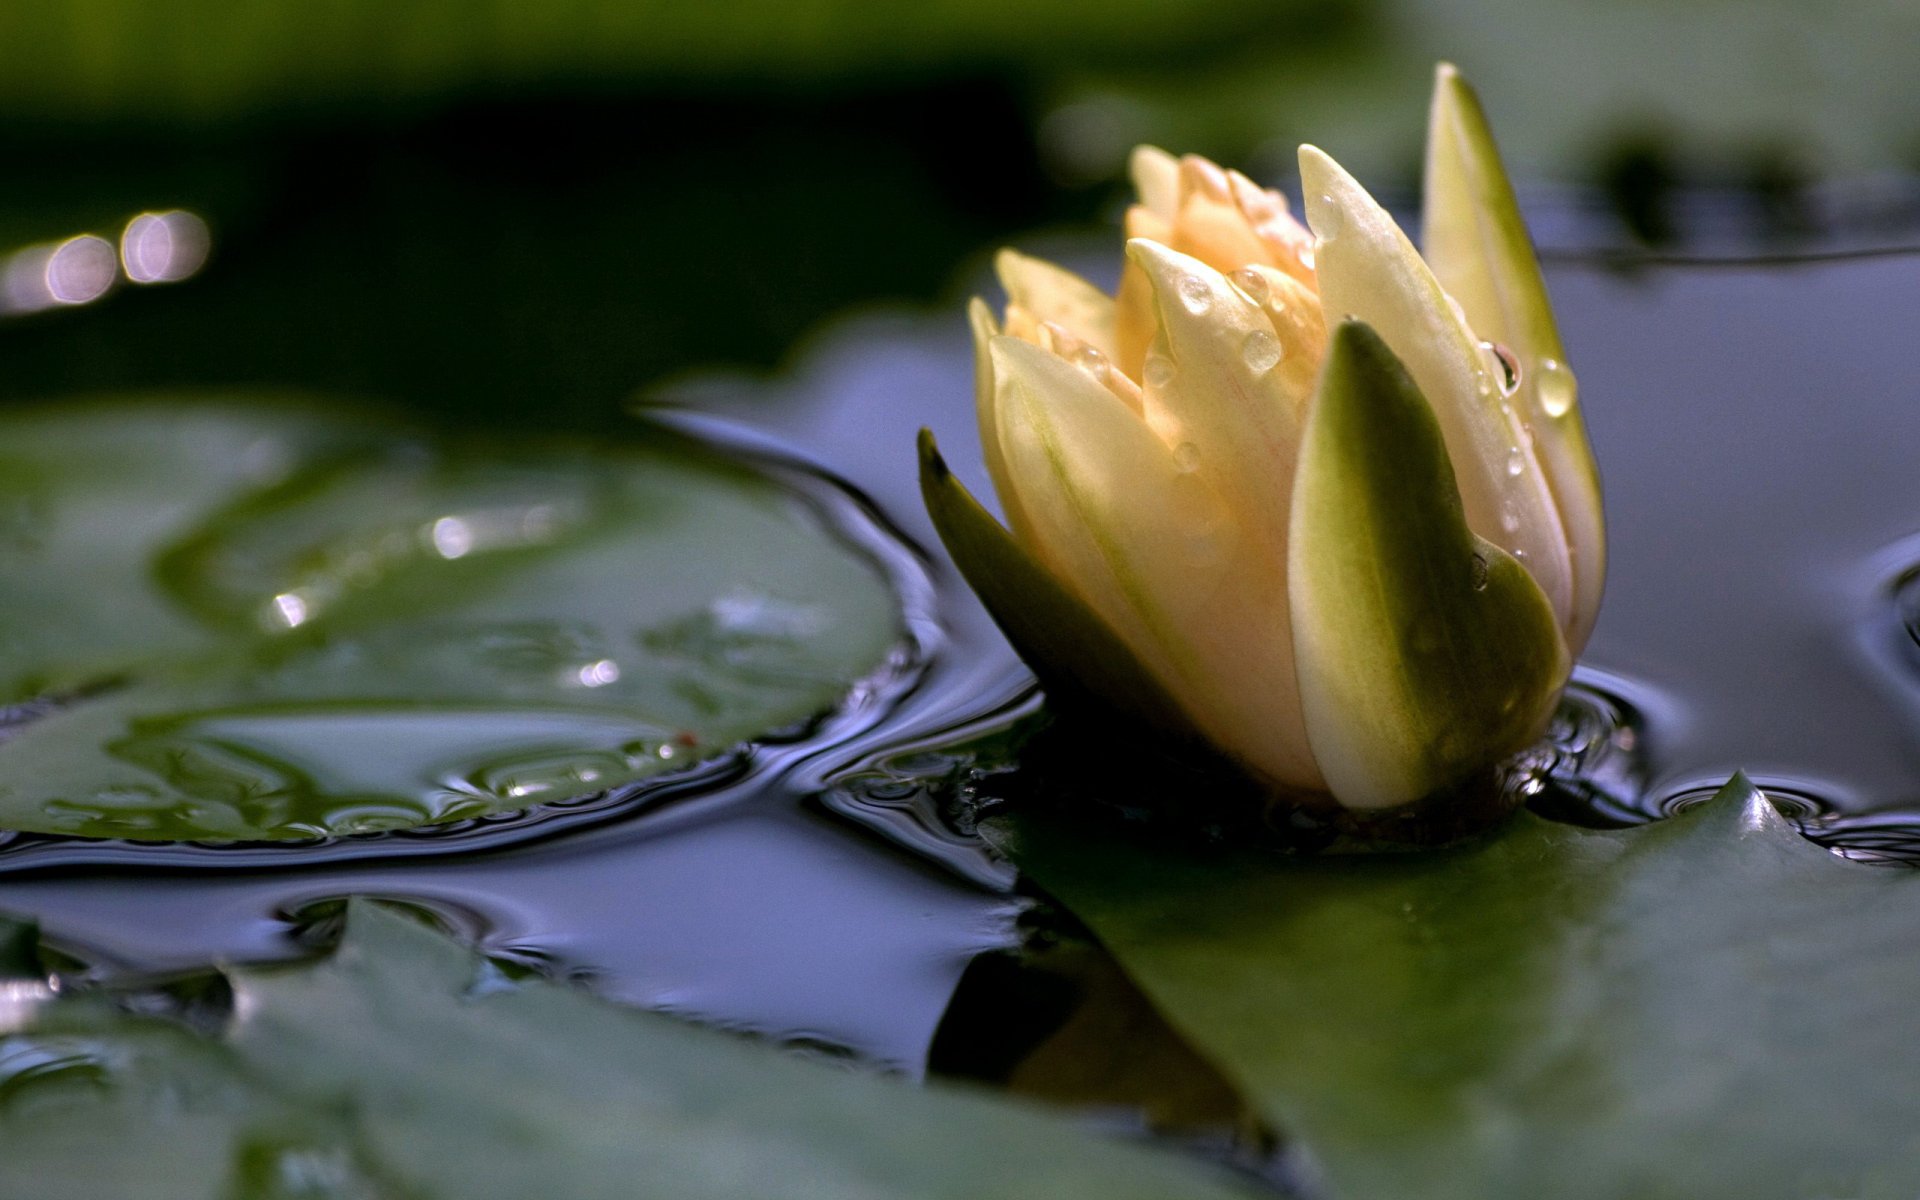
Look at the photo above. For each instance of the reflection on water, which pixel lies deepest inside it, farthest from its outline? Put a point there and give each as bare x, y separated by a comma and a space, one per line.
413, 631
164, 247
155, 247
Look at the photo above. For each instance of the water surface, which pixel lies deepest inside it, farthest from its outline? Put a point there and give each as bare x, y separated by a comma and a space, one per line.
1755, 426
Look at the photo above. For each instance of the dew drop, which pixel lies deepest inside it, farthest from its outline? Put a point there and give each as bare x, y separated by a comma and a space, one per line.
1509, 366
1555, 387
1479, 573
1510, 519
1252, 284
1516, 462
1186, 456
1260, 351
1158, 371
1092, 362
1332, 220
1195, 294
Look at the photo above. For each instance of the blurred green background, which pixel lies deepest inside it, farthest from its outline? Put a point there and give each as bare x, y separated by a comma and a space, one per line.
508, 210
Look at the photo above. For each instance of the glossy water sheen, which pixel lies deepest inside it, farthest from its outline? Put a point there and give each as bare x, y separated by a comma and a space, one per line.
392, 629
1756, 429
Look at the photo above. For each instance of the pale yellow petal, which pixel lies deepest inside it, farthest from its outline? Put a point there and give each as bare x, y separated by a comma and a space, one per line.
1369, 270
1058, 341
1133, 324
1477, 243
1156, 179
1157, 553
1055, 294
1212, 389
986, 413
1214, 392
1294, 309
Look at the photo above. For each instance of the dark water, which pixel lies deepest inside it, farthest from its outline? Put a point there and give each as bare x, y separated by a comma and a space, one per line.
1757, 426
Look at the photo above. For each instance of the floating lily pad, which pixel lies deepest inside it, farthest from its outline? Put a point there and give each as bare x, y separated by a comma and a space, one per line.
403, 1066
1708, 1007
271, 624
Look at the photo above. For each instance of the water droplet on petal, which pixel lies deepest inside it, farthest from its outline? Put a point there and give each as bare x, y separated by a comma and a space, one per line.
1195, 294
1555, 388
1260, 351
1516, 462
1509, 366
1510, 519
1092, 362
1332, 220
1158, 372
1252, 284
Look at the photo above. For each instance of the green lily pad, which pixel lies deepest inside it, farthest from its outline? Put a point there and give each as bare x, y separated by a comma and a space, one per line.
1708, 1007
403, 1066
278, 623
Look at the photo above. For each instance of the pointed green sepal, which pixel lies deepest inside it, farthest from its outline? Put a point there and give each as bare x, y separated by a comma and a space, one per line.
1079, 660
1425, 653
1477, 244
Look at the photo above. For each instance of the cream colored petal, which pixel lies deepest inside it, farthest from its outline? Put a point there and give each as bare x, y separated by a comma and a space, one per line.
1077, 657
1294, 309
1157, 553
1055, 294
1156, 179
1369, 270
1056, 340
1133, 306
986, 413
1477, 243
1018, 322
1212, 389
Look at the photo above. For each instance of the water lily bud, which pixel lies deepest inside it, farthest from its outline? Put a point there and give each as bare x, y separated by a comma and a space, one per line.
1295, 495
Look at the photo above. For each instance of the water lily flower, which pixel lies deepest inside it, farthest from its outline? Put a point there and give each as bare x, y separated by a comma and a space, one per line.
1296, 494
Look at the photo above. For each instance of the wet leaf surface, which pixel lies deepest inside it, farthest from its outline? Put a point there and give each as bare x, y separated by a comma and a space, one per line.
271, 623
1710, 1006
404, 1066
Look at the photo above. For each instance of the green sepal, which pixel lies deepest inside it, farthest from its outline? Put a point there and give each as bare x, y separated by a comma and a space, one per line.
1426, 654
1084, 666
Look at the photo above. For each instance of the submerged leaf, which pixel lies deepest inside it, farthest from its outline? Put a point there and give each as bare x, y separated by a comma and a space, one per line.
1711, 1007
277, 623
381, 1072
